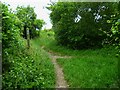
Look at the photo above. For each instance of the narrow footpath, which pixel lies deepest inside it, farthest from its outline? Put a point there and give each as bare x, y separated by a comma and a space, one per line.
60, 80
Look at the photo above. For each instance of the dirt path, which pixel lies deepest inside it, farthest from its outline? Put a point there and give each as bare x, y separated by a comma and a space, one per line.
60, 81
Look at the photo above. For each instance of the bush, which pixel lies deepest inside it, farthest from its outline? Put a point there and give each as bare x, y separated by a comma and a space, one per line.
10, 32
81, 25
29, 69
10, 35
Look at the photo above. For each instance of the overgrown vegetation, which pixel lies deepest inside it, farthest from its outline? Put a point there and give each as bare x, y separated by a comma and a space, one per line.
85, 31
11, 39
23, 68
29, 69
82, 25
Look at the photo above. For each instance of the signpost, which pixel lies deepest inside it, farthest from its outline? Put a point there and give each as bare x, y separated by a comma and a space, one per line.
28, 38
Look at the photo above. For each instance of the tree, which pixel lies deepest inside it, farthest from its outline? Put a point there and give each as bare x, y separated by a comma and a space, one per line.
81, 25
27, 16
38, 24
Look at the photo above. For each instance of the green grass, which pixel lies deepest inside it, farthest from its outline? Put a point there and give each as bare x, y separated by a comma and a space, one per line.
51, 44
87, 68
90, 71
48, 68
29, 69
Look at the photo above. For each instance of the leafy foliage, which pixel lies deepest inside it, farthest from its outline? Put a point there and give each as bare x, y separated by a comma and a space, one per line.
30, 69
10, 31
115, 35
10, 35
81, 25
38, 24
28, 18
23, 68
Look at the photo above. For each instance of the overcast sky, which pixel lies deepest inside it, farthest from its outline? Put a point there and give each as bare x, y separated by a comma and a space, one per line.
42, 13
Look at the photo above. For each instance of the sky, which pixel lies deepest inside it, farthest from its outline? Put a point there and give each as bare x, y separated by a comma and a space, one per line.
42, 13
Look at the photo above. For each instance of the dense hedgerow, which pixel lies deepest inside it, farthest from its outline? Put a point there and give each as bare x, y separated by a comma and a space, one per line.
10, 35
29, 69
22, 68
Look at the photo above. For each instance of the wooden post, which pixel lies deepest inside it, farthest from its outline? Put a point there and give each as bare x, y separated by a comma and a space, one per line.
28, 38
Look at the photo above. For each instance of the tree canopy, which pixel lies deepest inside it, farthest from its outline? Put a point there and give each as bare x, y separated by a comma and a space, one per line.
82, 25
29, 20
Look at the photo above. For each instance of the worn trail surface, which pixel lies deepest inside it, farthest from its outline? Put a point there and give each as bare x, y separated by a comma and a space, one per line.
60, 81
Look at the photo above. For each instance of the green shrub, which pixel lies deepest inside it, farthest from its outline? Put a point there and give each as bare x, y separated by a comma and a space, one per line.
29, 69
81, 25
10, 35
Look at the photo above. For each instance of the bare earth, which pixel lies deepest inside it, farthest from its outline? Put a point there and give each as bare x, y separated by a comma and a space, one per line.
60, 81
